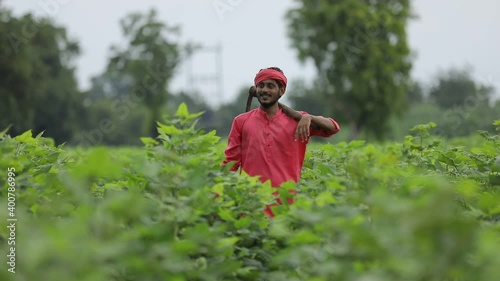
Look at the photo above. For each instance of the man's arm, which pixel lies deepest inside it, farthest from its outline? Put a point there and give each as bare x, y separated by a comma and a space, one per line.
308, 122
290, 112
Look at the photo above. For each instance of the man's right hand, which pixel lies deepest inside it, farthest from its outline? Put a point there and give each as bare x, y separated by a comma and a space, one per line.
302, 132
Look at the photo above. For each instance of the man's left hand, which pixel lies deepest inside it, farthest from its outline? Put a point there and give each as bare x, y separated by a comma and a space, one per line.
302, 131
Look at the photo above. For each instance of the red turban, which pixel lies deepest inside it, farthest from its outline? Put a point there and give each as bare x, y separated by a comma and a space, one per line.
266, 74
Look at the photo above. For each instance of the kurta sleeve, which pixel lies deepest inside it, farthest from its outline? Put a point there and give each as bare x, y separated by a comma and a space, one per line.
322, 133
233, 149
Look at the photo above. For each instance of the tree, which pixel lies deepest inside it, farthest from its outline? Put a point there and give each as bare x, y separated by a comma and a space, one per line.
223, 119
108, 121
148, 61
456, 87
464, 103
38, 88
415, 93
360, 52
110, 85
307, 98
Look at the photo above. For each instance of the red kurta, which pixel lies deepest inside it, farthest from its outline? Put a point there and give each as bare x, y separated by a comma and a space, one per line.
266, 147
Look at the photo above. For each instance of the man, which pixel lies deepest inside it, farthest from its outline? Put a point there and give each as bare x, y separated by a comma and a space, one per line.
270, 141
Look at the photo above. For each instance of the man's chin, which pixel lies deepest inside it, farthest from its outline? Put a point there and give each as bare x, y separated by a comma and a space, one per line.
267, 104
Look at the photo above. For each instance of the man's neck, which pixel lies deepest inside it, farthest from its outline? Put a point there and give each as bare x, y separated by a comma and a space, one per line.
271, 111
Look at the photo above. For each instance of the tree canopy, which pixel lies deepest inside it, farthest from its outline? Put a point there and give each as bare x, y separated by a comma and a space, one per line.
456, 87
148, 62
359, 50
361, 55
38, 88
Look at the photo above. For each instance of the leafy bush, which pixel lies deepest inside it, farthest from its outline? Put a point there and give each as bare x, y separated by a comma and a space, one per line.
417, 210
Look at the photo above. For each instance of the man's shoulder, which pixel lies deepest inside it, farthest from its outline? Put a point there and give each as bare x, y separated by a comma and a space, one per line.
245, 115
299, 111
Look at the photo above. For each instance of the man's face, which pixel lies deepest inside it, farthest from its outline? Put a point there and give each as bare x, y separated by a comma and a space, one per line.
268, 93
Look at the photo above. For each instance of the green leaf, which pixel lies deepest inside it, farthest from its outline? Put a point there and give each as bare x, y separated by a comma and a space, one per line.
182, 110
226, 242
263, 223
26, 137
356, 144
226, 214
98, 163
438, 166
218, 188
324, 198
495, 167
149, 142
2, 133
185, 246
242, 222
304, 237
169, 130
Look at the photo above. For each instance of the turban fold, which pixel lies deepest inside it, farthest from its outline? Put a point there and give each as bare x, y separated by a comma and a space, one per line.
266, 74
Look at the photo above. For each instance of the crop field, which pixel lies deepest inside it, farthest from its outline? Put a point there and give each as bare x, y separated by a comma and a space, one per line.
422, 209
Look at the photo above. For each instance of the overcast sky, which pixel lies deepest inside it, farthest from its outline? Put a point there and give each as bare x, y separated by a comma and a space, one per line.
253, 35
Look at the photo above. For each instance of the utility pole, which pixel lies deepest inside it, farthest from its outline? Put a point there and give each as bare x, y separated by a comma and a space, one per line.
215, 78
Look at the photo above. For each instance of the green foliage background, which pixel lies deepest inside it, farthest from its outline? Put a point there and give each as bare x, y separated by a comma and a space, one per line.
419, 209
363, 78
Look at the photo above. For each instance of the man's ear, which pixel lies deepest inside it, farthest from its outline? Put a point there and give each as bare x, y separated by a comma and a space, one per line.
282, 90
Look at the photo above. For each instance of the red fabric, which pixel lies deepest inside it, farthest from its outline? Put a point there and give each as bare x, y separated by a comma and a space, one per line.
266, 74
266, 147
